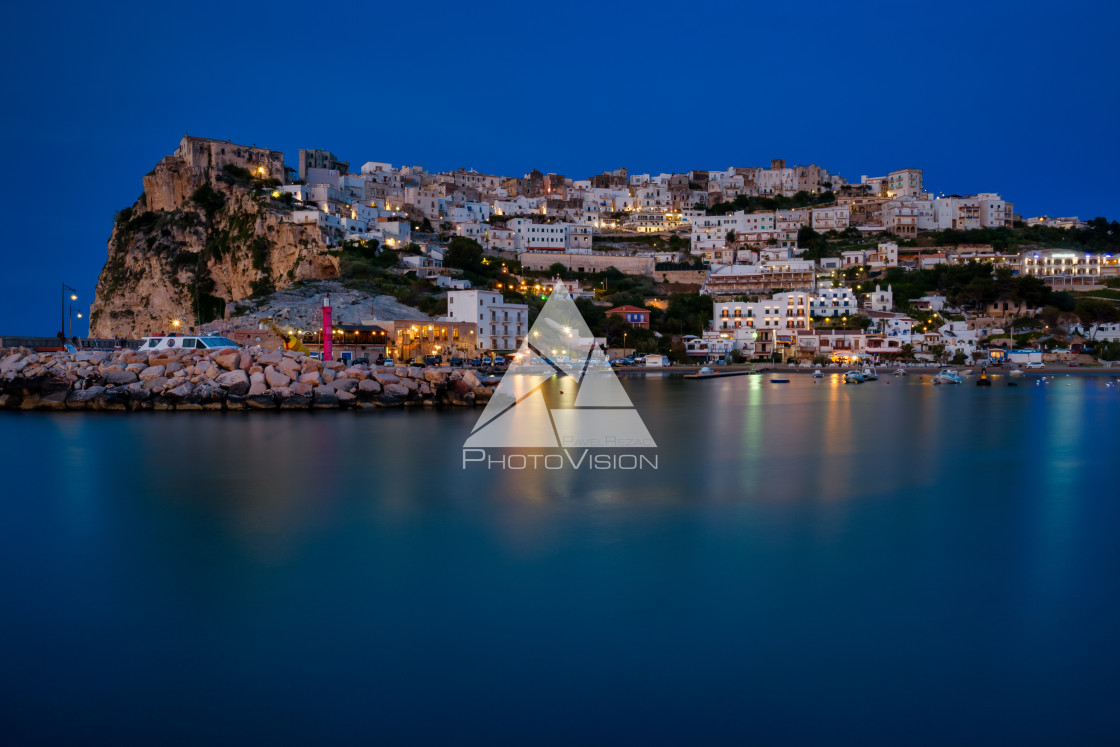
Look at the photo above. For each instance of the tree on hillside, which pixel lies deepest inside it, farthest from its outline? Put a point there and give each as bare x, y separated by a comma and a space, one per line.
464, 254
1093, 311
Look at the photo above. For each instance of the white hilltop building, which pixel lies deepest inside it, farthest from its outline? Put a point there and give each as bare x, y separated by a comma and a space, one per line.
882, 300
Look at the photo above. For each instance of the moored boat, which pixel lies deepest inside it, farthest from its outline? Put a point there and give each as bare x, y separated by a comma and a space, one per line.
947, 376
186, 342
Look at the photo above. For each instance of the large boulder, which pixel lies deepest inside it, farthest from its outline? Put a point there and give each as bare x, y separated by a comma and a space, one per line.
14, 362
228, 359
386, 378
295, 402
257, 384
53, 401
275, 379
179, 393
155, 385
288, 367
344, 385
120, 377
470, 378
83, 398
324, 398
271, 358
396, 390
235, 382
312, 378
260, 401
152, 372
369, 385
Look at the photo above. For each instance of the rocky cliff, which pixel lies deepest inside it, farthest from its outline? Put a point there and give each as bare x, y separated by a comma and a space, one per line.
210, 228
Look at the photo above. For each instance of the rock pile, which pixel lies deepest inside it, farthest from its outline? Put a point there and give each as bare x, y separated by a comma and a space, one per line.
225, 379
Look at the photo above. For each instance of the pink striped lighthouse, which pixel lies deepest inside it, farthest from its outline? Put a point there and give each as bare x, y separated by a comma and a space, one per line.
328, 333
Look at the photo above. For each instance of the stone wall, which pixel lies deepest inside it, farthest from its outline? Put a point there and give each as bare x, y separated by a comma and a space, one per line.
597, 262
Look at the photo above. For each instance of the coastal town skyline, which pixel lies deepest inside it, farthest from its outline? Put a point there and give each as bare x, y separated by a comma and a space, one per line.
971, 118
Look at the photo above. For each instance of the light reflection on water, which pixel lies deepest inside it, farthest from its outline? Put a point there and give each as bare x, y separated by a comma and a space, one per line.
858, 551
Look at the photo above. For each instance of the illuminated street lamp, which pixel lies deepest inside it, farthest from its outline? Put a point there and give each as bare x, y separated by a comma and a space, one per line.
72, 313
73, 297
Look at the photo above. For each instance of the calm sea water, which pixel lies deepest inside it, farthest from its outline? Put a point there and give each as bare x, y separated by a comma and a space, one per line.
890, 563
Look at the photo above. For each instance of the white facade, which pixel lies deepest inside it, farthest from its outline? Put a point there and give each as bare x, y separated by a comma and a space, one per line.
833, 218
839, 301
501, 326
882, 300
740, 321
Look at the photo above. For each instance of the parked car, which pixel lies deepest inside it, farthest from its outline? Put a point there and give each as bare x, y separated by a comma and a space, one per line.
387, 362
417, 361
476, 362
499, 360
363, 361
432, 360
1073, 364
1033, 364
456, 361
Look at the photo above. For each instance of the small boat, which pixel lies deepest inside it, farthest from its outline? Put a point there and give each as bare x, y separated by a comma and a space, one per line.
705, 370
869, 374
983, 380
490, 380
1015, 372
175, 341
901, 372
854, 377
947, 376
818, 374
779, 381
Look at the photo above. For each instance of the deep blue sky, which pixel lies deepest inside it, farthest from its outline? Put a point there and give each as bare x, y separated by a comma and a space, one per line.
1020, 98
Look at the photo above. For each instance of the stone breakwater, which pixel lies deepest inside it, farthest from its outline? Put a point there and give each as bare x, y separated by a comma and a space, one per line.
247, 379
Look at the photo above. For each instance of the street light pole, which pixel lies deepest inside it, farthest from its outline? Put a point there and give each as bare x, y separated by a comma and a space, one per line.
73, 297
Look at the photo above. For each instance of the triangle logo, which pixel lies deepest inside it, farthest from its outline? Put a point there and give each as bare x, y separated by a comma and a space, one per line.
560, 390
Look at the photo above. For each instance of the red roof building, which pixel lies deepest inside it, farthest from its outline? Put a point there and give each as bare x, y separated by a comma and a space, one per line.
637, 317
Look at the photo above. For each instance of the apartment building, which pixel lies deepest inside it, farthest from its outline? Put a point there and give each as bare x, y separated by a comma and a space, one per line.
883, 255
831, 218
1062, 268
984, 210
320, 159
901, 183
765, 277
836, 301
900, 217
501, 325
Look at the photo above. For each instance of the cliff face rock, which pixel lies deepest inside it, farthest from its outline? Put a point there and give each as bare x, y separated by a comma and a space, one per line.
207, 231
